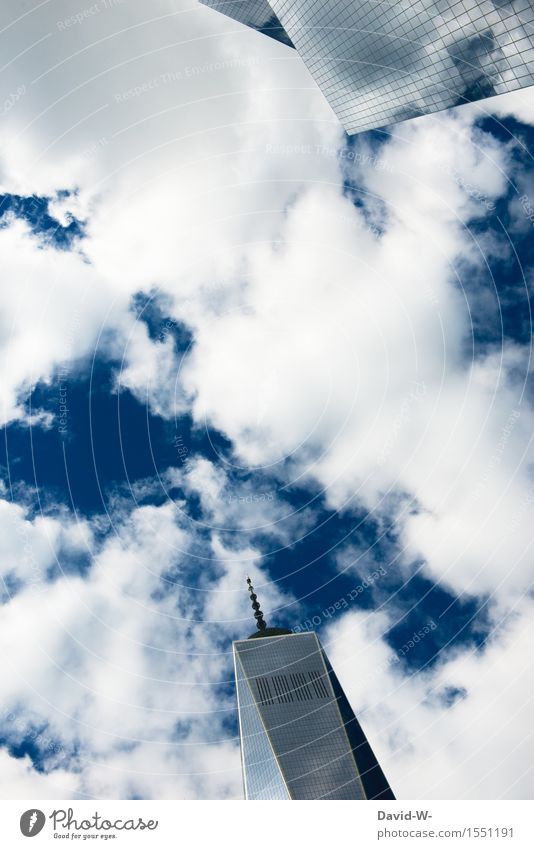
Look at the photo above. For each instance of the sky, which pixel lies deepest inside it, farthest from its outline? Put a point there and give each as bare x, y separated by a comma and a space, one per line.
235, 341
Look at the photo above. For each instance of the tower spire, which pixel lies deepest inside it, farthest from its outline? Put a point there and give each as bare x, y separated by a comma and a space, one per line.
260, 621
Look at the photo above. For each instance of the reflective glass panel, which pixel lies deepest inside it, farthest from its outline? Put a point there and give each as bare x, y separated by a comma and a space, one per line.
291, 687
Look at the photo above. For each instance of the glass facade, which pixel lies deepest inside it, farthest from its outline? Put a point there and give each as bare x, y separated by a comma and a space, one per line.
261, 774
379, 62
298, 733
253, 13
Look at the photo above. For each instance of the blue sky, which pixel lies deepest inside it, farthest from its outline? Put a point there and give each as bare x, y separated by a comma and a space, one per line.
281, 353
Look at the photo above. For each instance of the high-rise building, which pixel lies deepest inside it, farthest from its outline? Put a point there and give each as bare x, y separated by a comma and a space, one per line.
379, 62
299, 736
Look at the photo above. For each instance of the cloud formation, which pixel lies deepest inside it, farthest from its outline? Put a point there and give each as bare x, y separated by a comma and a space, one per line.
329, 291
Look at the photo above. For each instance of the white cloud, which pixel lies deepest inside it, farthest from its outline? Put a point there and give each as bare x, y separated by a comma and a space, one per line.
162, 132
24, 782
516, 104
124, 670
150, 369
332, 298
349, 359
244, 506
52, 311
477, 747
30, 547
329, 345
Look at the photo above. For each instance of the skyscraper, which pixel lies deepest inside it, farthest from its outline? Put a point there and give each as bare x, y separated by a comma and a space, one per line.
299, 736
379, 62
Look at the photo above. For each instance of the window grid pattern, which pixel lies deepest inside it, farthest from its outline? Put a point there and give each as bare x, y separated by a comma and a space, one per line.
300, 715
257, 14
263, 779
378, 61
296, 686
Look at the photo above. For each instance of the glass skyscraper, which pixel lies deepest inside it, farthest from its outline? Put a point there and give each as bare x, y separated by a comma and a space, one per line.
378, 62
299, 736
257, 14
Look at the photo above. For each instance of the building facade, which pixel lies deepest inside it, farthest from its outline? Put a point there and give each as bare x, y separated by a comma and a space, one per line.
379, 62
299, 736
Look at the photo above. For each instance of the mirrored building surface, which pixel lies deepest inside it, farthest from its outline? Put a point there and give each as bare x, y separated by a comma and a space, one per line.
379, 62
299, 736
253, 13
